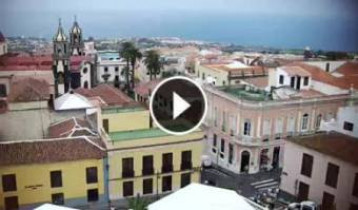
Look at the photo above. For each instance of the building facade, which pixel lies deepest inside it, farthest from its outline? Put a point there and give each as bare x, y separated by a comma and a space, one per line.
316, 168
67, 172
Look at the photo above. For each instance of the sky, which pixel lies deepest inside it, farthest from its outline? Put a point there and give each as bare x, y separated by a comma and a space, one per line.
321, 24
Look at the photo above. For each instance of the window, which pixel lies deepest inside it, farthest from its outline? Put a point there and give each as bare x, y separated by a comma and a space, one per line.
348, 126
128, 188
318, 121
167, 162
11, 202
216, 116
147, 186
185, 179
56, 178
247, 128
85, 70
85, 84
223, 126
9, 183
304, 125
355, 186
116, 69
214, 143
106, 69
222, 148
305, 81
2, 90
166, 183
58, 199
92, 195
127, 167
147, 166
186, 160
332, 175
327, 201
307, 163
292, 83
105, 125
266, 128
282, 78
231, 153
353, 206
303, 191
91, 175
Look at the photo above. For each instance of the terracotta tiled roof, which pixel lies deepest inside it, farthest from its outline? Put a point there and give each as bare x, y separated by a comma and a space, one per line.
29, 89
245, 71
322, 76
40, 63
260, 82
69, 127
49, 151
333, 144
144, 89
110, 95
295, 70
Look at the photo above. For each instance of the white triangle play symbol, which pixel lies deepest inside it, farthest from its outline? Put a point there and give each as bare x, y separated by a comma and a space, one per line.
179, 105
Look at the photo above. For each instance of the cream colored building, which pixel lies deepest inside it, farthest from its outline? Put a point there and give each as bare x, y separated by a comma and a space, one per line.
322, 168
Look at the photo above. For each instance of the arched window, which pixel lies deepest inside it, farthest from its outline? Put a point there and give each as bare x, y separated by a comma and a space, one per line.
2, 90
245, 161
304, 125
247, 127
60, 78
318, 121
85, 84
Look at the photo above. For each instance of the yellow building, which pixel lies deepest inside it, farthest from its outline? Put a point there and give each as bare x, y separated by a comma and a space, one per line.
228, 74
144, 160
66, 171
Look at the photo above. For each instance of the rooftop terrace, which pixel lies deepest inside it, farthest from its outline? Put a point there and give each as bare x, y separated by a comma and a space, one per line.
137, 134
247, 93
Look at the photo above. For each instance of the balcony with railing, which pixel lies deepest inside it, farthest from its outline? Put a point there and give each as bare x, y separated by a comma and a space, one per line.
187, 165
167, 168
128, 173
148, 171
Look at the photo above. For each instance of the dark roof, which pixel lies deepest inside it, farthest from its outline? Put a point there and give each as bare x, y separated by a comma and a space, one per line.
333, 144
49, 151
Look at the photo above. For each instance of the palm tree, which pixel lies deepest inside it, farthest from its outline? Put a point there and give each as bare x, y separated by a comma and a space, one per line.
135, 55
153, 63
125, 52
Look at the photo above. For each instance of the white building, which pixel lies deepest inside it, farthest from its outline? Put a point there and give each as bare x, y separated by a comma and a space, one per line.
322, 168
346, 121
110, 67
3, 44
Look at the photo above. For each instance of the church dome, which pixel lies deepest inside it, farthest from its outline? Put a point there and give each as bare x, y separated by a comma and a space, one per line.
60, 35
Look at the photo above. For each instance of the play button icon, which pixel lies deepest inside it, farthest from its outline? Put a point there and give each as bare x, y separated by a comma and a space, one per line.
178, 105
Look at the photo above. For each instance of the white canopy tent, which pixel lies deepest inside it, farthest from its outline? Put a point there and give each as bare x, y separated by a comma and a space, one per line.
202, 197
48, 206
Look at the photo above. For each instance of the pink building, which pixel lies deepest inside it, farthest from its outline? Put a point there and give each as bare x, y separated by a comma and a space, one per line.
322, 168
246, 126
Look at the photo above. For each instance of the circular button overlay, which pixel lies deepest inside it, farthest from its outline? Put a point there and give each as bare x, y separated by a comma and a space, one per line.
178, 105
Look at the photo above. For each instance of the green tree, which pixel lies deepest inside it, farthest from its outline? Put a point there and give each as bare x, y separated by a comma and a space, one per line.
135, 55
130, 54
138, 203
153, 63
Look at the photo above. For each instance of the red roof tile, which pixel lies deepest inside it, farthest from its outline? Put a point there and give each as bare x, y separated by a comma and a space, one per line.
29, 89
50, 151
110, 95
64, 128
333, 144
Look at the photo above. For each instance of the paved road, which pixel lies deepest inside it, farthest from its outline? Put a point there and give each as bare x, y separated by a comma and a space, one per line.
245, 184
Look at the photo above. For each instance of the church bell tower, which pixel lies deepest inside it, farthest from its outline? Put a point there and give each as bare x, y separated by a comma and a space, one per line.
61, 62
76, 42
